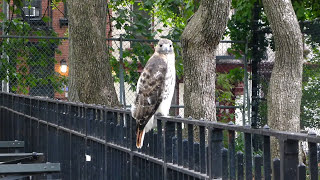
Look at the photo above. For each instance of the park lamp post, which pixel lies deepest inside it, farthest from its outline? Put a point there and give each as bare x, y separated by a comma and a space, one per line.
63, 66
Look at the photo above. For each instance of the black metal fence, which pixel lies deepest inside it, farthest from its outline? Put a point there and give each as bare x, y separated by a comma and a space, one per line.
95, 142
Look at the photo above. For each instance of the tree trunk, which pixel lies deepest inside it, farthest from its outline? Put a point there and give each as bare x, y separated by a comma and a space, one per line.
199, 42
284, 96
90, 72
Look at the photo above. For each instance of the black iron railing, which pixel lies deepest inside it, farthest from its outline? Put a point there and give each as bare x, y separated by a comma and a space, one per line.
95, 142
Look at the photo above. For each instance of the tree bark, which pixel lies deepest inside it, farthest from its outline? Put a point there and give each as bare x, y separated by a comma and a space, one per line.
285, 88
90, 78
199, 41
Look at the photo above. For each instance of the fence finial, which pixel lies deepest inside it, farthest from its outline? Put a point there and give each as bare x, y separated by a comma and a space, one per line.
312, 133
266, 126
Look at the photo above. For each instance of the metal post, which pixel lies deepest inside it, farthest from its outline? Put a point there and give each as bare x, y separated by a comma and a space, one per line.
246, 86
216, 146
289, 151
244, 105
121, 75
5, 83
248, 155
256, 58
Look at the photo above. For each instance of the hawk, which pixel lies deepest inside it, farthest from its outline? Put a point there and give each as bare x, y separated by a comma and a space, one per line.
155, 89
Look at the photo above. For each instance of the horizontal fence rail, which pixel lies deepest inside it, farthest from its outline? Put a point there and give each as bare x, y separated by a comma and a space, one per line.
96, 142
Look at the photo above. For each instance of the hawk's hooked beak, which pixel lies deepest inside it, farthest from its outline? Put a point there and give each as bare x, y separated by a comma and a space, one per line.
167, 48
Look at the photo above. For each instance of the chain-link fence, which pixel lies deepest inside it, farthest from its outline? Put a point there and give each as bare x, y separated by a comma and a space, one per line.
310, 103
34, 61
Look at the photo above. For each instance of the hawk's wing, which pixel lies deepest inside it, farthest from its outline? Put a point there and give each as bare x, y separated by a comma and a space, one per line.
149, 89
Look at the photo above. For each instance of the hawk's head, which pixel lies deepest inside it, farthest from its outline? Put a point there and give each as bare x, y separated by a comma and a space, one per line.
164, 46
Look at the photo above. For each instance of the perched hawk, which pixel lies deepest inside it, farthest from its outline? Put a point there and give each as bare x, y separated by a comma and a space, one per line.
155, 89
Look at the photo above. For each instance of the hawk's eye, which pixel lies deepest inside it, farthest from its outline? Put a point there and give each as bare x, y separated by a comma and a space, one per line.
160, 45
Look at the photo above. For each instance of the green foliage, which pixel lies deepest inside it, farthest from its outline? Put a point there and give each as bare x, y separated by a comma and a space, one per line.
310, 103
24, 62
242, 23
225, 83
146, 20
241, 26
239, 143
306, 10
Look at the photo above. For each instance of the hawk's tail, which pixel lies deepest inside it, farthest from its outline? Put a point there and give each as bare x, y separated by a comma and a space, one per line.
140, 136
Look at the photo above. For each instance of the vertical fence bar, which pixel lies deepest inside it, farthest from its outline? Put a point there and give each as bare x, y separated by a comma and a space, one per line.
95, 123
209, 154
240, 174
248, 155
132, 139
257, 167
301, 172
266, 157
121, 76
217, 138
185, 153
313, 162
276, 169
155, 144
108, 128
246, 85
27, 108
121, 133
289, 151
147, 143
118, 134
232, 161
169, 131
190, 146
196, 148
224, 164
174, 150
179, 143
151, 146
202, 149
72, 116
159, 138
33, 107
128, 132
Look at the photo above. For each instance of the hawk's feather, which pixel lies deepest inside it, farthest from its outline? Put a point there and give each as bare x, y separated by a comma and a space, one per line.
149, 89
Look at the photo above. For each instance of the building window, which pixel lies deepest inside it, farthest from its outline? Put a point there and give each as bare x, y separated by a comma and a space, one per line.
32, 8
64, 20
